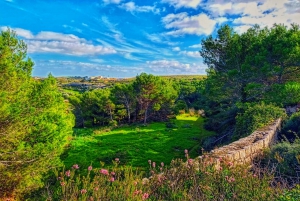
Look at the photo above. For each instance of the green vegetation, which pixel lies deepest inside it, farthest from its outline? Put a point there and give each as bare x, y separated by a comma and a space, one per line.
183, 180
254, 117
134, 145
34, 121
250, 77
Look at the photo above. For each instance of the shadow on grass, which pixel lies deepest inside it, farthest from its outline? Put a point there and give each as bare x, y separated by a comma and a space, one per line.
135, 145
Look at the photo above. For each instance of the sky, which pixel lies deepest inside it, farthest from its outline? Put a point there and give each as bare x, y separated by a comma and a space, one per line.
123, 38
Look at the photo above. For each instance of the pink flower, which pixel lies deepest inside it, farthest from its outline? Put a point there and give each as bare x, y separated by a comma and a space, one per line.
190, 161
62, 183
96, 188
186, 151
153, 164
230, 164
75, 166
104, 171
90, 168
117, 159
113, 173
68, 173
135, 183
83, 191
145, 196
112, 179
136, 192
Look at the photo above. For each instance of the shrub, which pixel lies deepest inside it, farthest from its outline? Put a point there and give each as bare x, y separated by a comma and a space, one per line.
291, 195
255, 116
285, 156
291, 129
194, 179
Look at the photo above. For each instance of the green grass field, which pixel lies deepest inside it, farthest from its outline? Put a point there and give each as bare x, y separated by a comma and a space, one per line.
135, 145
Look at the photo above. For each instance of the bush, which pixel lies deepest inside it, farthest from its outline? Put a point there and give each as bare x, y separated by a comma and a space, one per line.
291, 195
291, 129
285, 156
255, 116
194, 179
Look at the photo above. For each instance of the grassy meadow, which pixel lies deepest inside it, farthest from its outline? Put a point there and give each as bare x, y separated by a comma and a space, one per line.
136, 144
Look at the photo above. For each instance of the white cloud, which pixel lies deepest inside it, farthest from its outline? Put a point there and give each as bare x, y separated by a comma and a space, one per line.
69, 44
250, 12
183, 3
196, 46
182, 24
190, 53
241, 29
20, 32
175, 67
68, 48
160, 38
86, 67
132, 7
112, 1
176, 49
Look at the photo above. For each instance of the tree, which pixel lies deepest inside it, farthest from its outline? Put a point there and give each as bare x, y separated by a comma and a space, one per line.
123, 94
152, 92
34, 121
248, 67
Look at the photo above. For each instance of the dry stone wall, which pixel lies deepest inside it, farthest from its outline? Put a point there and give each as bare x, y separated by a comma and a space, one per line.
246, 149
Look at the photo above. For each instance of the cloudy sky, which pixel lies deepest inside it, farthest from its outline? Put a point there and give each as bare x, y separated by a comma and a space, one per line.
122, 38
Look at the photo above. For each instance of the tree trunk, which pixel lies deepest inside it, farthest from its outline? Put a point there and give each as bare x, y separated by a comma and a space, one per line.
146, 113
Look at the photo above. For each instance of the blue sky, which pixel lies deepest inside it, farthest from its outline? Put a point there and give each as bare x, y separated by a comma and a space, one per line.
122, 38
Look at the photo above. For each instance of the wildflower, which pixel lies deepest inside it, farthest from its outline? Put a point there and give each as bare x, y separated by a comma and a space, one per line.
75, 166
135, 183
160, 169
149, 161
186, 151
145, 196
190, 161
113, 173
104, 171
90, 168
230, 164
254, 175
112, 179
136, 192
59, 178
68, 173
162, 164
96, 188
83, 191
153, 164
117, 160
145, 181
62, 183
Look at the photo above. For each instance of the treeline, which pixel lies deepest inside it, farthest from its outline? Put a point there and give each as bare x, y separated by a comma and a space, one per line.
146, 98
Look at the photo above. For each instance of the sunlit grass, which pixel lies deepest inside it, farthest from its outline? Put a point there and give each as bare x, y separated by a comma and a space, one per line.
135, 145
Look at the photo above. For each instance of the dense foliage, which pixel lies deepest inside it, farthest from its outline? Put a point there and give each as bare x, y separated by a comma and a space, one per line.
146, 98
255, 116
261, 64
34, 121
